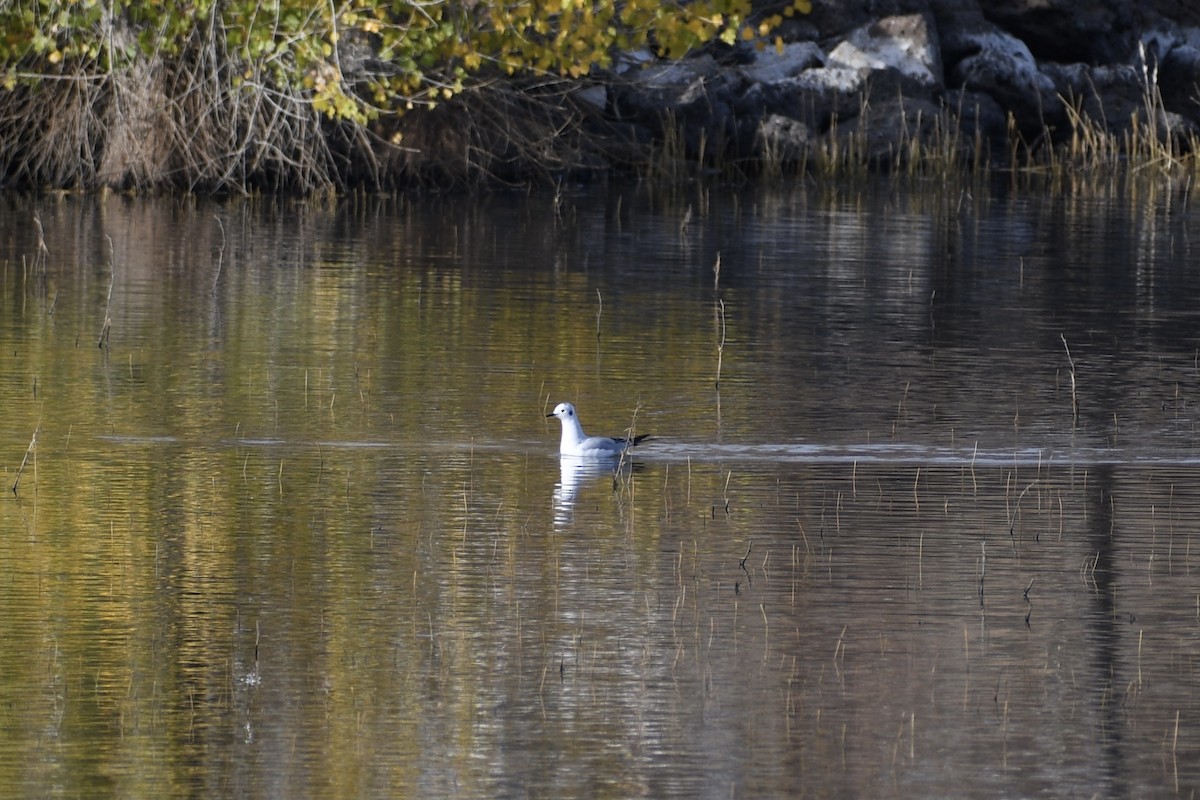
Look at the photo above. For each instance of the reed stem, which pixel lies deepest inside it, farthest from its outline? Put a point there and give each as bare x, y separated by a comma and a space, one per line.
1074, 395
28, 450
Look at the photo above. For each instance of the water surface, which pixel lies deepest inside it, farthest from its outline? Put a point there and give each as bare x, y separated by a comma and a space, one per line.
919, 517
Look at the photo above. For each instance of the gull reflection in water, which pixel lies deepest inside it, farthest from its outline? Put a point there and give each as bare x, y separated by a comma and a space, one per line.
575, 473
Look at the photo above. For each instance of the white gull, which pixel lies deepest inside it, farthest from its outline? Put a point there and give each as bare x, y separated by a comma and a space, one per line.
578, 444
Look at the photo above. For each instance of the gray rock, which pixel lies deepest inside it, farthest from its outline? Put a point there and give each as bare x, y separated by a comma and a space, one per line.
982, 123
906, 44
836, 18
843, 80
772, 66
663, 87
1105, 99
692, 96
1094, 32
1178, 78
956, 69
784, 141
885, 130
1185, 12
816, 98
1004, 68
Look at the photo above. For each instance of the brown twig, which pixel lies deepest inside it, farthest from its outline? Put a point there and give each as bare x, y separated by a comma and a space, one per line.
28, 450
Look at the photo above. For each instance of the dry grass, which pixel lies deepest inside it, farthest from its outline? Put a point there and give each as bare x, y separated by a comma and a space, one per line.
178, 121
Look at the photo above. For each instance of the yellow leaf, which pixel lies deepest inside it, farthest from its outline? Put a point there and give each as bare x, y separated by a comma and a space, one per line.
55, 56
803, 6
779, 45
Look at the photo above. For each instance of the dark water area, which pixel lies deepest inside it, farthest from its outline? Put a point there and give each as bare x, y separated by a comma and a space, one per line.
918, 517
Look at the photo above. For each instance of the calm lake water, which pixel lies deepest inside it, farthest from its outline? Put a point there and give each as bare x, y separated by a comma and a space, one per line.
920, 516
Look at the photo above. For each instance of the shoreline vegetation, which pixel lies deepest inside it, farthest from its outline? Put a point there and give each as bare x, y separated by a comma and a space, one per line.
238, 97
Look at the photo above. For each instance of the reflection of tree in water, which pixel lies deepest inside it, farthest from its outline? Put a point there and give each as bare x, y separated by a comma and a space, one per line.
1102, 631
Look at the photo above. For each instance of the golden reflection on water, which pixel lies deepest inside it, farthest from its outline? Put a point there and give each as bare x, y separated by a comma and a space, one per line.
301, 528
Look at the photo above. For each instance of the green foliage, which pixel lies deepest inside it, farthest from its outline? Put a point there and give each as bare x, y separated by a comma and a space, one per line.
425, 52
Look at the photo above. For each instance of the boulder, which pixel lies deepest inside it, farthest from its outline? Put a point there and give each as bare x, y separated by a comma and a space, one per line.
884, 131
1185, 12
981, 122
1069, 31
1178, 79
693, 96
958, 24
816, 98
836, 18
784, 141
1004, 68
664, 87
1105, 98
1031, 68
906, 44
771, 65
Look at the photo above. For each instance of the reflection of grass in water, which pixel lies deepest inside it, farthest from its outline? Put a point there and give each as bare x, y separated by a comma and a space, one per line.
825, 667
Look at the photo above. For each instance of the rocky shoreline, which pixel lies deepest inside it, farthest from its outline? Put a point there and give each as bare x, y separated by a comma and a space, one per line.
983, 77
931, 85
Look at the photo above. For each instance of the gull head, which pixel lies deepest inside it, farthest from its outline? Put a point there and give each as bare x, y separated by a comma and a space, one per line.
564, 411
574, 441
